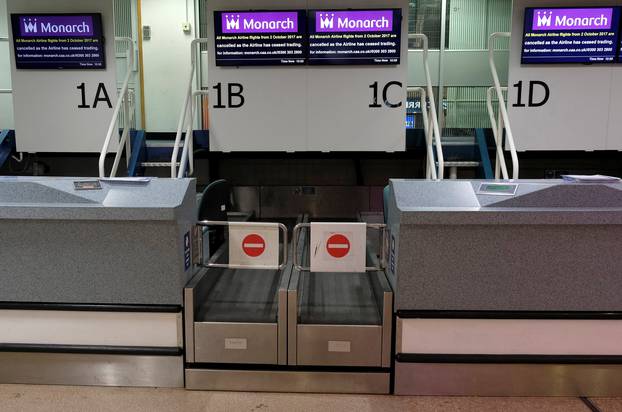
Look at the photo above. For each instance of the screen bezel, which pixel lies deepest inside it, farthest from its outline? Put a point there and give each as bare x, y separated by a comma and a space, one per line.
616, 57
305, 37
98, 29
328, 62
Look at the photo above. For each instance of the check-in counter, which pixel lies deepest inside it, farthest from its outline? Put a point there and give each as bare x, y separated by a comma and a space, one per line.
91, 280
506, 288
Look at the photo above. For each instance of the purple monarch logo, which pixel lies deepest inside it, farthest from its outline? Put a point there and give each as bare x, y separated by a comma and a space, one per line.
353, 21
56, 26
259, 22
572, 19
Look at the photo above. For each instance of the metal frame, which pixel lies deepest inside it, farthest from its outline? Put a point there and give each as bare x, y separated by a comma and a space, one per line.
198, 233
124, 100
379, 226
5, 91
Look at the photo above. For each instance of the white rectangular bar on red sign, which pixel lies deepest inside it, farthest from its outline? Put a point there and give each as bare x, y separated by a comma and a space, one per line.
338, 247
254, 244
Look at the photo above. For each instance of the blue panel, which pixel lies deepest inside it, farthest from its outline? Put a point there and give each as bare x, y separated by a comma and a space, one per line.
201, 139
7, 145
485, 164
139, 152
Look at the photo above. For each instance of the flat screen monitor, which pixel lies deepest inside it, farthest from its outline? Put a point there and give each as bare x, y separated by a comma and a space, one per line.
260, 38
368, 37
58, 41
570, 35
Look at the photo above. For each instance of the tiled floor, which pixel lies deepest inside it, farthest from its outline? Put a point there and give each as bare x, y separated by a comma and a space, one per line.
89, 399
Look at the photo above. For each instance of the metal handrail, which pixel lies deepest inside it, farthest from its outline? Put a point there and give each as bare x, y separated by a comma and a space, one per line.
378, 226
436, 134
503, 112
186, 116
5, 91
207, 223
501, 168
430, 172
125, 101
187, 154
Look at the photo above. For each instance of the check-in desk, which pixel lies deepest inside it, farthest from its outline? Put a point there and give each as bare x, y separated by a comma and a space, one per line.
506, 288
91, 281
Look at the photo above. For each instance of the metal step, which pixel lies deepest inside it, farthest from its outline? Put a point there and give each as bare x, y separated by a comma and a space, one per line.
460, 164
458, 141
158, 164
164, 143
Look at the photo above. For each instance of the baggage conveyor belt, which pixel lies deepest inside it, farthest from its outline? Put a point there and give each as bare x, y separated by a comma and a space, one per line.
340, 318
269, 330
243, 295
238, 316
338, 299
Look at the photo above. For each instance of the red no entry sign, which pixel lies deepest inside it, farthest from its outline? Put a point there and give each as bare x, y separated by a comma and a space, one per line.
338, 246
253, 245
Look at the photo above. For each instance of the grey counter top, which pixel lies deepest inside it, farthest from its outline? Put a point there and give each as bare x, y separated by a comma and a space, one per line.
536, 246
56, 198
534, 202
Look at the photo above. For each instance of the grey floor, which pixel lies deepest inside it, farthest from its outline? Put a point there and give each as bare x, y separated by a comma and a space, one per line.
67, 399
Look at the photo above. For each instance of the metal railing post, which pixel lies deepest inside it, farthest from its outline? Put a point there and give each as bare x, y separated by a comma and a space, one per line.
186, 116
436, 134
502, 107
431, 166
497, 131
115, 115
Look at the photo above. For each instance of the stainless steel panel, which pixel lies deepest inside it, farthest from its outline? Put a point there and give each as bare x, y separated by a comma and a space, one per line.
339, 345
236, 343
86, 369
387, 328
292, 318
189, 323
190, 305
453, 379
282, 327
285, 381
